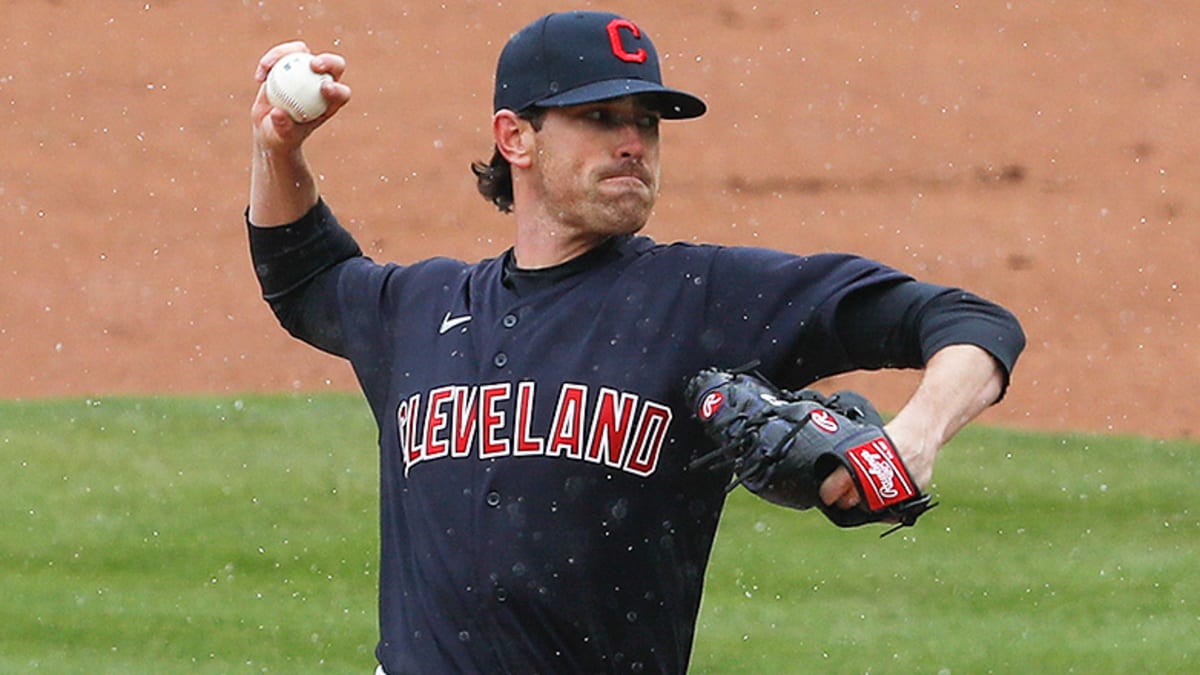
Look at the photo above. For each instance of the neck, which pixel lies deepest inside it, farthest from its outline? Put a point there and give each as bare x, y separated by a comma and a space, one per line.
545, 243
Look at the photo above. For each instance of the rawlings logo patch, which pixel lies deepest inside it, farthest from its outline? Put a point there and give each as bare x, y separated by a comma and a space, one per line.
824, 420
710, 404
883, 478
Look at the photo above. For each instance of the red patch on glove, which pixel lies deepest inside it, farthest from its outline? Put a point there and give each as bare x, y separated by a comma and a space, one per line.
881, 474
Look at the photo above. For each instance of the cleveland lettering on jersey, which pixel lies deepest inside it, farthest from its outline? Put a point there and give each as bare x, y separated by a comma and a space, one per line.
615, 428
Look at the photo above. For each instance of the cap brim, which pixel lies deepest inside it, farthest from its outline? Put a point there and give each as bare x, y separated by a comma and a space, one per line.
672, 104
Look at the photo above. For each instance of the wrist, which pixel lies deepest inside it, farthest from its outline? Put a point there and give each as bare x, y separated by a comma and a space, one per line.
918, 446
282, 187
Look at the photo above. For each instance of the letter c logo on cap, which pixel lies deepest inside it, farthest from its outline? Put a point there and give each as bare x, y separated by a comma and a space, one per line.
614, 37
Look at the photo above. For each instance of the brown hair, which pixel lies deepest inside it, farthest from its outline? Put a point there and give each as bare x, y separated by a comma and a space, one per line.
493, 179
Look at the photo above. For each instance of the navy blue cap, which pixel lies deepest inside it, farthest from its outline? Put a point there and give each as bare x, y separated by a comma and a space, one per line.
579, 57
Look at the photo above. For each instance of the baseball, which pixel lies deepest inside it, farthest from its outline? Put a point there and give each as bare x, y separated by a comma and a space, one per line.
293, 86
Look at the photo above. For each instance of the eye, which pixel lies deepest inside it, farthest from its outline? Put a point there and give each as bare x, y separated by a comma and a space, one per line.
610, 119
604, 118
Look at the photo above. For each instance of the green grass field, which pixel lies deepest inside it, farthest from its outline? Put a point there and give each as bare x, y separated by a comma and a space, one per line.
229, 535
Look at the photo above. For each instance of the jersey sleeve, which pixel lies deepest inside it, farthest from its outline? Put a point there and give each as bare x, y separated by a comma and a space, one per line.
324, 291
294, 265
905, 324
810, 317
781, 309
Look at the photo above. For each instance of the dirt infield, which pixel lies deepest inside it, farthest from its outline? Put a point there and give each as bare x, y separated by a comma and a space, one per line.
1041, 154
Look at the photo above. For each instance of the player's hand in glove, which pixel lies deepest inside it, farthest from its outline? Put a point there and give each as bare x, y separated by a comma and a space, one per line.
782, 445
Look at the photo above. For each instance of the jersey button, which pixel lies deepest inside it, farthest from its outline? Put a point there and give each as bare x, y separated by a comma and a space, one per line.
493, 499
500, 360
501, 594
509, 320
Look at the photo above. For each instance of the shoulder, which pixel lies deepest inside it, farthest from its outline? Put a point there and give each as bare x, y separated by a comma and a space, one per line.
364, 275
439, 267
444, 266
761, 261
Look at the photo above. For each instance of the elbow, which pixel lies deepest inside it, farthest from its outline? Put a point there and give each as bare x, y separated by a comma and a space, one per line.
323, 333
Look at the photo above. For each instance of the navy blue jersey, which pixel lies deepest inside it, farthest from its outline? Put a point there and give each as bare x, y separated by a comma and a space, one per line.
536, 511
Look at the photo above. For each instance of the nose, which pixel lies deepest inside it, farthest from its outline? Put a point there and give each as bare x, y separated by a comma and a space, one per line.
631, 142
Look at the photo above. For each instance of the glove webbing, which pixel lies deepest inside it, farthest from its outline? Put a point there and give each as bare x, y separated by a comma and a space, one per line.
751, 421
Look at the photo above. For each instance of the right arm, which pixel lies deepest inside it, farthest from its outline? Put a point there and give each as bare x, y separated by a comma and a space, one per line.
282, 186
292, 242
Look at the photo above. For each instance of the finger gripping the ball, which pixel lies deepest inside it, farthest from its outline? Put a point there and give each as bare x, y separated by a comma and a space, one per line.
294, 87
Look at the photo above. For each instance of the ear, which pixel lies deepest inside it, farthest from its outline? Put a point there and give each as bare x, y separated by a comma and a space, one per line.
514, 138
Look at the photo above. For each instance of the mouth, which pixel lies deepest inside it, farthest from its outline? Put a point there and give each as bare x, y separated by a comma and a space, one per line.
625, 178
631, 175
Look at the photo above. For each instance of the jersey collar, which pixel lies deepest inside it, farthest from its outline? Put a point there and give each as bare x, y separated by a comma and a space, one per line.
524, 281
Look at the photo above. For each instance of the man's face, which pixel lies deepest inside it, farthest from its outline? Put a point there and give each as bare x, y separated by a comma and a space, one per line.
596, 166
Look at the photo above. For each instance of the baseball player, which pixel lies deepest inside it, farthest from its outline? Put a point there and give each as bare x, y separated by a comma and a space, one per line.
537, 508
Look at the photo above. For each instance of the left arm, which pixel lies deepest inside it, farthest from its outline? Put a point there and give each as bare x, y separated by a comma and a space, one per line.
967, 347
959, 382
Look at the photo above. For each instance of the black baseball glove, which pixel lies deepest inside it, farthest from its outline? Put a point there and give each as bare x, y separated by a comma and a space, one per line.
783, 444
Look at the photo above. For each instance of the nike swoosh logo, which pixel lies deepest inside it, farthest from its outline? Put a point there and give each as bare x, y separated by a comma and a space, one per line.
449, 324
